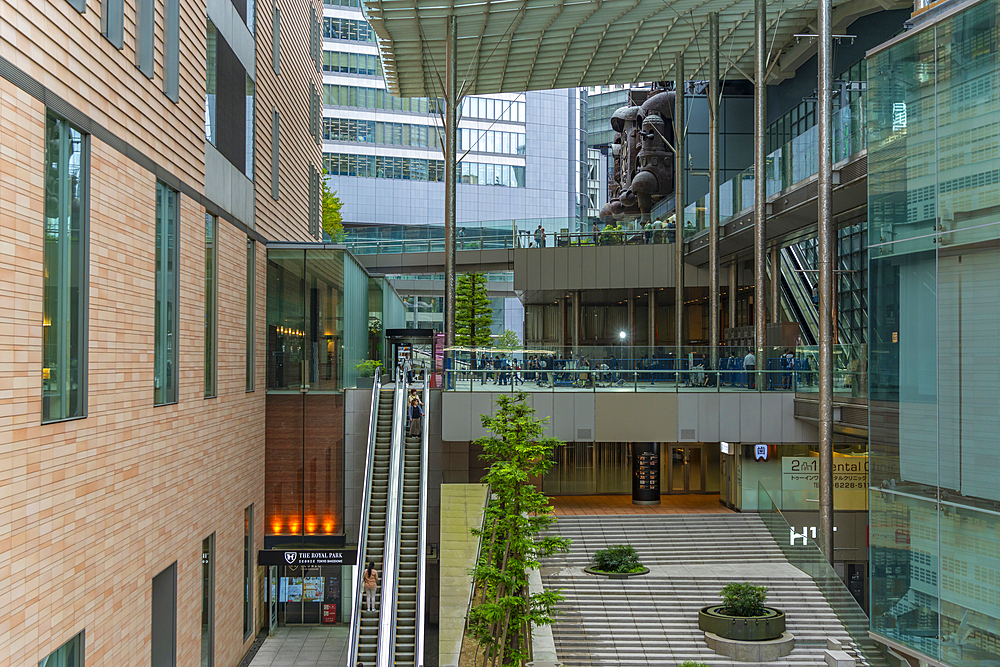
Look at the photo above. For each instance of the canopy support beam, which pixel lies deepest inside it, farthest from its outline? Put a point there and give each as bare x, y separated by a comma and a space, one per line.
680, 155
450, 180
713, 188
760, 187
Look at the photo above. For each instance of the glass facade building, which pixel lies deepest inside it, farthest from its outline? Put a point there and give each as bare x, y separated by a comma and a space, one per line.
934, 267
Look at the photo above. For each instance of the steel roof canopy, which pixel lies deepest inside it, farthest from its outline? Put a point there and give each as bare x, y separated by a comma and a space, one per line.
520, 45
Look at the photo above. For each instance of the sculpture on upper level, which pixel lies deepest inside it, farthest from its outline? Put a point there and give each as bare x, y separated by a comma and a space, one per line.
643, 159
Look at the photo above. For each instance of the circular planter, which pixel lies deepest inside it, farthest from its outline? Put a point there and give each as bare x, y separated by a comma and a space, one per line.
616, 575
748, 629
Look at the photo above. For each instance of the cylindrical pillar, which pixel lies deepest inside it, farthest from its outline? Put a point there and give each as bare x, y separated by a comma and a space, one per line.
450, 172
645, 473
631, 316
680, 159
760, 183
652, 319
825, 262
733, 291
575, 327
713, 188
775, 284
562, 325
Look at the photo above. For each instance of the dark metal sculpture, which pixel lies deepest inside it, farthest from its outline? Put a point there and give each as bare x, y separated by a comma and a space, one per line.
643, 158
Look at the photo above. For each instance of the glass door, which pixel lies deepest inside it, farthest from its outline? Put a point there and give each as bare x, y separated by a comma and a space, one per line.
685, 469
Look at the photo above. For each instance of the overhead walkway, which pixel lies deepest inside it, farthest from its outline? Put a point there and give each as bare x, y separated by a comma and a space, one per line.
393, 536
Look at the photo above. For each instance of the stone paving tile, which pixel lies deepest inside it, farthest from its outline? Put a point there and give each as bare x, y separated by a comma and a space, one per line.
608, 505
304, 647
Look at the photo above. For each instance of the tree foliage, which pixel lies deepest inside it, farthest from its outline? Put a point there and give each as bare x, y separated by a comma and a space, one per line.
508, 340
517, 452
473, 312
333, 221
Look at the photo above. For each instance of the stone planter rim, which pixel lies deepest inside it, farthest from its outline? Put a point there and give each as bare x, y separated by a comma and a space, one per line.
753, 628
616, 575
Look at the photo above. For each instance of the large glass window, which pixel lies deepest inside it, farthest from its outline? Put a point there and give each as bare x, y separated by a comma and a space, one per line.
64, 331
251, 311
163, 626
165, 342
171, 48
113, 21
144, 24
69, 654
211, 303
247, 572
211, 79
208, 601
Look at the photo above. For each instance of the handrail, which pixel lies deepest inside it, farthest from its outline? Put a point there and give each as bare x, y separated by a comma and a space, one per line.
363, 534
393, 516
418, 655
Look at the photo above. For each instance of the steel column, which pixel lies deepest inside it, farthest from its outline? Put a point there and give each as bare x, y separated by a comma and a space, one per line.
575, 330
680, 159
713, 188
631, 317
450, 172
826, 284
759, 186
651, 312
775, 284
733, 291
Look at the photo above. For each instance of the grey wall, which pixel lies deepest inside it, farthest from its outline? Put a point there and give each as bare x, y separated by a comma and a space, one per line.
601, 267
639, 417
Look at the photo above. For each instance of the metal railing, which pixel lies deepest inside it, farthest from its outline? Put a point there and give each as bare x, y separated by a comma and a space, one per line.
363, 534
393, 518
418, 655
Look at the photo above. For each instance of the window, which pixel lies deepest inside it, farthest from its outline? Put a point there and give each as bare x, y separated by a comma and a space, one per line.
113, 21
314, 202
171, 48
144, 22
211, 304
69, 654
65, 270
78, 5
247, 572
165, 343
208, 601
276, 39
211, 82
251, 310
275, 122
163, 628
249, 139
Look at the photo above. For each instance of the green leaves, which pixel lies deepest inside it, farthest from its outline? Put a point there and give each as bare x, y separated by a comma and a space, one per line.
618, 558
743, 599
473, 311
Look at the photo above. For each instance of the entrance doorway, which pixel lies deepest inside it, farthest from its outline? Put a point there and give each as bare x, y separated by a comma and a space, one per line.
685, 469
309, 595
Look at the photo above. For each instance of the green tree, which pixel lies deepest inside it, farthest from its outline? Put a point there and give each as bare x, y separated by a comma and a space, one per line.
517, 452
508, 340
473, 312
333, 222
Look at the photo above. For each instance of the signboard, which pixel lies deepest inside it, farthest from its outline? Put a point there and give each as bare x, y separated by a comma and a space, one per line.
726, 448
307, 557
800, 482
330, 613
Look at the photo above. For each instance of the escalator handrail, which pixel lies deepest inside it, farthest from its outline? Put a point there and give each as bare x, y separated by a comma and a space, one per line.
418, 653
363, 531
393, 517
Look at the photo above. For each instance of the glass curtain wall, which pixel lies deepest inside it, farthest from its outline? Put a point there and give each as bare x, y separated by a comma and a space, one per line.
64, 330
934, 252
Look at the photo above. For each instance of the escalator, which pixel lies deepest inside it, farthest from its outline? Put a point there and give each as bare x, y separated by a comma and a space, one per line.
393, 535
797, 285
365, 624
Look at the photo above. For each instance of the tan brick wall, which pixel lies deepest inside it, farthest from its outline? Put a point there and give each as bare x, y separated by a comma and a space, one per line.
92, 509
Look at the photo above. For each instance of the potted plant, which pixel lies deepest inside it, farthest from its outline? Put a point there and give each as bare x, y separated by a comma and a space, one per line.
366, 373
618, 561
742, 615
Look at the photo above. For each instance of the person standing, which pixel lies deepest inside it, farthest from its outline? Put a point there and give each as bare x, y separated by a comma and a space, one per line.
370, 579
539, 236
749, 364
416, 413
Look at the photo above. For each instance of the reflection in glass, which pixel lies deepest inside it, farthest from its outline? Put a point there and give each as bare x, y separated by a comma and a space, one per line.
211, 303
64, 342
165, 335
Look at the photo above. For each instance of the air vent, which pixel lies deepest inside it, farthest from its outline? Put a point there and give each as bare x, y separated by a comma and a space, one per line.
687, 434
583, 434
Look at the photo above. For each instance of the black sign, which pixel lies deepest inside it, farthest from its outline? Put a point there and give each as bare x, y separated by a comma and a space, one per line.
294, 557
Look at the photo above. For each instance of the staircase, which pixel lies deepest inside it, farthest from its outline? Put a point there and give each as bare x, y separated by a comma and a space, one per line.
375, 541
653, 619
409, 548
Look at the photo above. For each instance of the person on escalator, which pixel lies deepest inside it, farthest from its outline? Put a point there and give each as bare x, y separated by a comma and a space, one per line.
416, 413
370, 579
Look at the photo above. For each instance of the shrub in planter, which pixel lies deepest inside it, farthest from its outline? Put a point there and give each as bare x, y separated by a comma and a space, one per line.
692, 663
743, 599
742, 615
618, 559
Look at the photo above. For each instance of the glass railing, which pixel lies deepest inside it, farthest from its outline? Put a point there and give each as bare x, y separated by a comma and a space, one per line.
798, 544
850, 370
633, 368
794, 162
